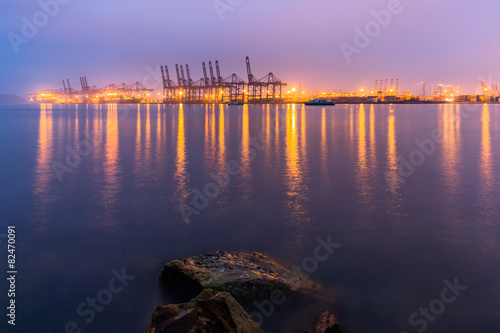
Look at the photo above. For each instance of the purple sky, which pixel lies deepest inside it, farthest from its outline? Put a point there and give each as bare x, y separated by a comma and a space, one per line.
435, 41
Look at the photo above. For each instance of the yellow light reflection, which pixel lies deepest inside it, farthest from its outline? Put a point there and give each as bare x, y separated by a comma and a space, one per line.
43, 170
373, 143
278, 115
292, 153
487, 179
206, 139
181, 175
222, 138
267, 135
245, 151
59, 121
76, 129
362, 173
138, 143
351, 131
303, 134
392, 177
324, 148
277, 131
210, 139
147, 153
451, 149
362, 138
111, 162
158, 131
293, 172
87, 119
97, 129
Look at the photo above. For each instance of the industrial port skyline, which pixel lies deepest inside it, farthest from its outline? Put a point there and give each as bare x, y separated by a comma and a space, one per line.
329, 46
214, 87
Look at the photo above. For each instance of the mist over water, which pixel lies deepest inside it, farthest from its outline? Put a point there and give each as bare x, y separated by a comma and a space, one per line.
411, 192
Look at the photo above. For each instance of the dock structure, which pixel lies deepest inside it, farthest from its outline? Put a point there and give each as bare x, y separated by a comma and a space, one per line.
217, 89
112, 93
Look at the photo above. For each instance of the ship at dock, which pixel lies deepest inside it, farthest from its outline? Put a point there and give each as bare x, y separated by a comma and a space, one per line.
320, 101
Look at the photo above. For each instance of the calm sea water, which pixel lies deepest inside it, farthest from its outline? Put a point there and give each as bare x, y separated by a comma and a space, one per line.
301, 173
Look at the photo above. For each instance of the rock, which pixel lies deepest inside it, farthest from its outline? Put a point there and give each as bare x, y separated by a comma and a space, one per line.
247, 277
327, 323
210, 312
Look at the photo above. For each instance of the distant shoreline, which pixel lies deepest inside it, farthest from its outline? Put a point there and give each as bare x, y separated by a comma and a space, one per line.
277, 103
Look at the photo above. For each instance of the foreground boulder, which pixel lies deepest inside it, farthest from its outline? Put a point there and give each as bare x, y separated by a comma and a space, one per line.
211, 311
247, 277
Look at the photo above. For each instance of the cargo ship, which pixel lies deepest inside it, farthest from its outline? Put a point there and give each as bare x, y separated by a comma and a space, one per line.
320, 101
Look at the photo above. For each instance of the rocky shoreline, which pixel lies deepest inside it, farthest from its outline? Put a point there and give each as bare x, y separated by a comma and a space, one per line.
227, 283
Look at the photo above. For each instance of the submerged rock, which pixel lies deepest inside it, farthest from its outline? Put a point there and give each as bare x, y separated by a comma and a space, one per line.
327, 323
248, 277
211, 311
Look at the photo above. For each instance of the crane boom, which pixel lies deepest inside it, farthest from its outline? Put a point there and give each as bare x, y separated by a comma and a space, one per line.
219, 77
179, 82
163, 78
183, 77
205, 76
249, 71
212, 77
190, 81
167, 75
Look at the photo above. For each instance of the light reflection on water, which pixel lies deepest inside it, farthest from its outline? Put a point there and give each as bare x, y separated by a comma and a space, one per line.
487, 178
181, 177
111, 162
452, 147
43, 171
322, 171
362, 174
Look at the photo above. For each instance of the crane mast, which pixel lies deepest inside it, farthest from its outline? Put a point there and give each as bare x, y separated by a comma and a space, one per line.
212, 77
219, 77
205, 76
183, 77
190, 81
179, 82
249, 71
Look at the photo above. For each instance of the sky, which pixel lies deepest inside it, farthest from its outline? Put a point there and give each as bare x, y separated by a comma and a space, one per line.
316, 44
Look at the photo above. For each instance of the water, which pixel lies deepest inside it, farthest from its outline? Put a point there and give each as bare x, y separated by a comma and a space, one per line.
301, 173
